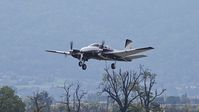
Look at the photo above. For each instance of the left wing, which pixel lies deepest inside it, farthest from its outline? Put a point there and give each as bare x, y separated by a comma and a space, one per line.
58, 52
129, 52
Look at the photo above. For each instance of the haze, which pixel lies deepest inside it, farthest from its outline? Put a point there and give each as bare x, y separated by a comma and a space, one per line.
28, 27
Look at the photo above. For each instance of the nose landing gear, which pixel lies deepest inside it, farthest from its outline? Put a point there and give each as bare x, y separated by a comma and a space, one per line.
80, 63
83, 65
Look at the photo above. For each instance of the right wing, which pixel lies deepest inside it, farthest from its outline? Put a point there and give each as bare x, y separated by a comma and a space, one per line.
126, 53
58, 52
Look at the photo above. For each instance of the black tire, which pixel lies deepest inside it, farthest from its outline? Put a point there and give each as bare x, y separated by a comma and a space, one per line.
84, 66
80, 64
113, 66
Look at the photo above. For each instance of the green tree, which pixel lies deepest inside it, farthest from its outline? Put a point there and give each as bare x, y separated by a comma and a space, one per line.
9, 102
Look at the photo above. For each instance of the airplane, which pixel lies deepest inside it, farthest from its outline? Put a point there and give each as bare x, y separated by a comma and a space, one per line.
100, 51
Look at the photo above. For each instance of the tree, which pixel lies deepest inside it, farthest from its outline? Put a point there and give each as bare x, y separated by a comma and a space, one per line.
121, 87
40, 102
73, 104
9, 102
146, 93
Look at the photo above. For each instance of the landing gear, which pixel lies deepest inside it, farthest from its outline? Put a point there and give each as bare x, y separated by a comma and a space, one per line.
113, 66
83, 65
80, 63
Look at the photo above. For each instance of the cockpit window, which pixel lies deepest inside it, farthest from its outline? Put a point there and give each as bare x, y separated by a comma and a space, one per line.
98, 45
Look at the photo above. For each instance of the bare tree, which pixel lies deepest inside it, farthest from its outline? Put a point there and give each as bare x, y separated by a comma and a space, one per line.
73, 104
146, 93
40, 102
121, 87
79, 95
67, 96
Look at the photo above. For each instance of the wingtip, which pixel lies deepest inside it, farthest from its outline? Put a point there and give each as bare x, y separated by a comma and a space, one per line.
151, 47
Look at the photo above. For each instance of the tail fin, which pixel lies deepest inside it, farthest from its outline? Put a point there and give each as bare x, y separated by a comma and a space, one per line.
128, 44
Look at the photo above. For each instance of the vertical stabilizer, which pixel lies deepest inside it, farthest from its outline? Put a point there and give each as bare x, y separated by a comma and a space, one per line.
128, 44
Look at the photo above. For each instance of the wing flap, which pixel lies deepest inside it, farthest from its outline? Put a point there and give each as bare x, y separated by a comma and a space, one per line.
134, 57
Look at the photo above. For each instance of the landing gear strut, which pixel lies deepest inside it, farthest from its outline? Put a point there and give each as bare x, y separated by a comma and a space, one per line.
113, 66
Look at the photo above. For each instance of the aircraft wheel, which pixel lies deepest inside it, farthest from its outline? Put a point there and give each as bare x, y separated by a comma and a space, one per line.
84, 66
113, 66
80, 63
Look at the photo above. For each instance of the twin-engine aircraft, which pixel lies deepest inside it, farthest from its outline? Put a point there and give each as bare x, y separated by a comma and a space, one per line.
100, 51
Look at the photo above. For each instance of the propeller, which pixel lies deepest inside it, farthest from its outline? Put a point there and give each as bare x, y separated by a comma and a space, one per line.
101, 48
102, 45
71, 45
71, 49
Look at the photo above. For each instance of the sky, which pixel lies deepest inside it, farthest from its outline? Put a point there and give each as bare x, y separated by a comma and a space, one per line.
28, 27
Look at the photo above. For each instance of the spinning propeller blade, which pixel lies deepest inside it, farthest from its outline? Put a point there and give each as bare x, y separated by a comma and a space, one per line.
102, 44
71, 45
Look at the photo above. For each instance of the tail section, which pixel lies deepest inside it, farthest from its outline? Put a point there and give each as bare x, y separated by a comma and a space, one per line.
128, 44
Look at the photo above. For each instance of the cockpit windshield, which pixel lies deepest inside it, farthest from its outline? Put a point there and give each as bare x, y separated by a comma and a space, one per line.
95, 45
98, 45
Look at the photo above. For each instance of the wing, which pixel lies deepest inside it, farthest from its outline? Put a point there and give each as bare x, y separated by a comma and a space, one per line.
58, 52
129, 52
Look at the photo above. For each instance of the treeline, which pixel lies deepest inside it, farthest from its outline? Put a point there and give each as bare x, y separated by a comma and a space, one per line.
129, 91
178, 100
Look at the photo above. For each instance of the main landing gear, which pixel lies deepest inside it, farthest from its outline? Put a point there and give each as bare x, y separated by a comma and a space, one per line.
113, 65
83, 65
